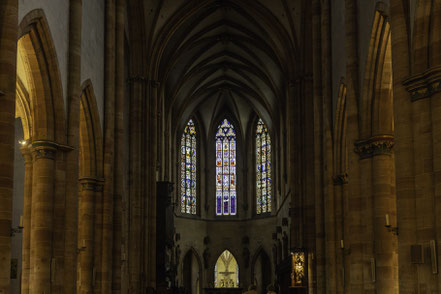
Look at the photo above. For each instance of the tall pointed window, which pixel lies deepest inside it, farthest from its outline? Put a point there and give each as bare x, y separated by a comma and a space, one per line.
225, 169
263, 168
188, 169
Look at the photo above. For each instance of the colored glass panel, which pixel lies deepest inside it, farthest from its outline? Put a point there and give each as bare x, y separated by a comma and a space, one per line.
263, 169
188, 169
226, 169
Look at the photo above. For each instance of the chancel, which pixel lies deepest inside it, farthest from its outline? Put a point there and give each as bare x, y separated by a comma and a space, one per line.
226, 271
220, 146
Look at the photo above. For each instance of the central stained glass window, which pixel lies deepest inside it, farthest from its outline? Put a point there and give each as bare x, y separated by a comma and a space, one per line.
188, 169
226, 169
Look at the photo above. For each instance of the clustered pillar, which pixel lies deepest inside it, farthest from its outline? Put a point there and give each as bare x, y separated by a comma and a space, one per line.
86, 234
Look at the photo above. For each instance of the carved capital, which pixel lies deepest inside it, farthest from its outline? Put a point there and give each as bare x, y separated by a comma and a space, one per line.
381, 144
425, 84
91, 184
44, 149
341, 179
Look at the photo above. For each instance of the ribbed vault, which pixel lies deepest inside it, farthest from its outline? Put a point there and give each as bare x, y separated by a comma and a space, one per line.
213, 56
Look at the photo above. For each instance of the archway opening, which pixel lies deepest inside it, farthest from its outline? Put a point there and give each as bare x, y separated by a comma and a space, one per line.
262, 272
226, 271
191, 273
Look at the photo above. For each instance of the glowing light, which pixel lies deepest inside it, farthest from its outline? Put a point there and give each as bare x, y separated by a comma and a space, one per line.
226, 169
263, 169
188, 169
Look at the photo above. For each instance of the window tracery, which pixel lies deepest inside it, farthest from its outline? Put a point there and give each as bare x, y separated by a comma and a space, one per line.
263, 169
226, 169
188, 169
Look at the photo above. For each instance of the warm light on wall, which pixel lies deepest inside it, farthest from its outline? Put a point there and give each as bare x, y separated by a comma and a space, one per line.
23, 142
298, 272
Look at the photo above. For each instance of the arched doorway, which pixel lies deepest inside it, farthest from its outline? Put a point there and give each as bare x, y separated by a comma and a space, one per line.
261, 271
226, 271
191, 270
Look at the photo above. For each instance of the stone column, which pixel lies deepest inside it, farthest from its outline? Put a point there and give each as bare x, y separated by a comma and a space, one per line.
98, 239
27, 155
86, 234
320, 275
355, 263
42, 215
376, 152
340, 191
383, 184
8, 59
151, 140
404, 157
137, 90
425, 89
436, 137
109, 147
119, 146
73, 134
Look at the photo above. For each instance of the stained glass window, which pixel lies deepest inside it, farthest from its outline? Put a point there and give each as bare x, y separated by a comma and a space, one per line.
225, 169
188, 169
263, 168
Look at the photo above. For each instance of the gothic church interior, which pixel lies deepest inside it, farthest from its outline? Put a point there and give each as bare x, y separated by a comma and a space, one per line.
206, 146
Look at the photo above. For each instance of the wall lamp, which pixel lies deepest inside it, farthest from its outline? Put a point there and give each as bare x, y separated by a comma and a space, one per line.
393, 230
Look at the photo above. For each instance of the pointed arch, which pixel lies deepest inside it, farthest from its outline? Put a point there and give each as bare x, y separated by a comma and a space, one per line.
188, 270
226, 271
42, 74
261, 269
377, 102
91, 144
23, 108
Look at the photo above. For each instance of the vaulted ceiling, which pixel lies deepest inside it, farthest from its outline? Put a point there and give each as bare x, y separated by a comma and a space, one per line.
212, 57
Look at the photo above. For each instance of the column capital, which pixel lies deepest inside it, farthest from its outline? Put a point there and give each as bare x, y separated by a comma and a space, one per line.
340, 179
91, 184
47, 148
44, 149
425, 84
379, 144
